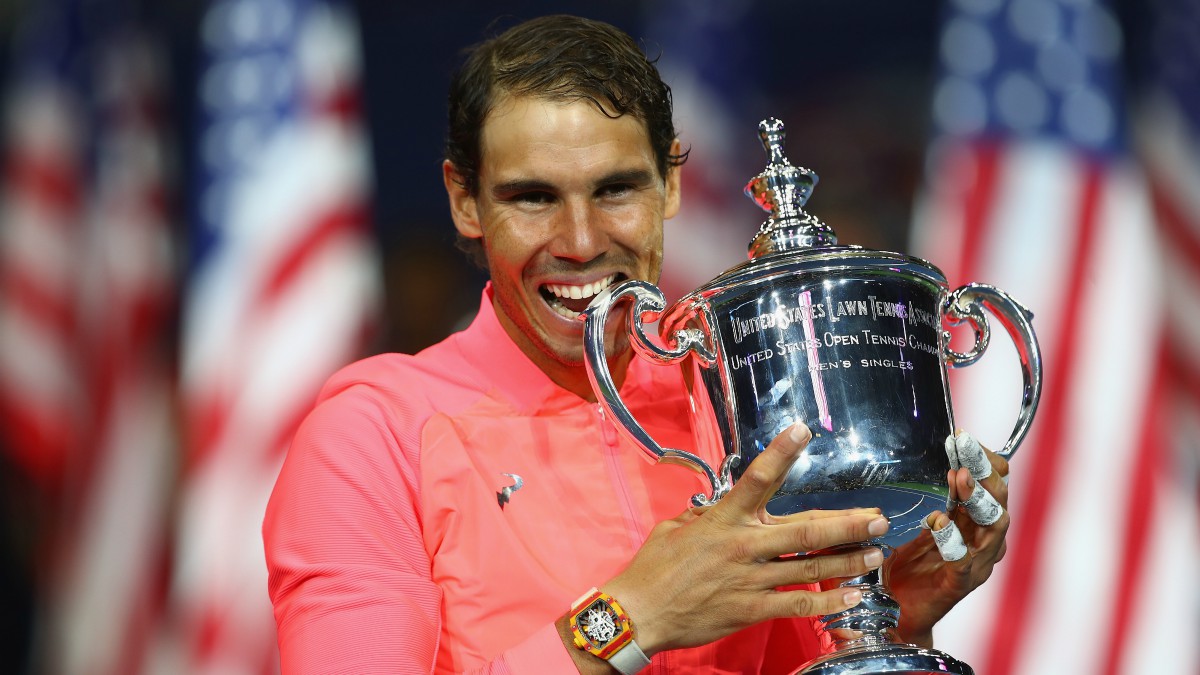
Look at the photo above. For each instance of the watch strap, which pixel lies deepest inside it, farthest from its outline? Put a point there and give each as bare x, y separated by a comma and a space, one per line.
629, 659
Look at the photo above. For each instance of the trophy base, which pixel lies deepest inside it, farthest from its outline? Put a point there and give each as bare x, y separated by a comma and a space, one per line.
886, 658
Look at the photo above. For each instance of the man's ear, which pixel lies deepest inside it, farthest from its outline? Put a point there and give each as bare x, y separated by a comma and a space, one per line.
463, 208
671, 208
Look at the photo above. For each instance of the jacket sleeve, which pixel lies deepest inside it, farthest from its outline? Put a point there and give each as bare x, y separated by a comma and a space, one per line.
349, 576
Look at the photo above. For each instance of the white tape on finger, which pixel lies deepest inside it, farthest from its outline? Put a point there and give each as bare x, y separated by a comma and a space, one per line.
982, 506
972, 456
952, 452
950, 542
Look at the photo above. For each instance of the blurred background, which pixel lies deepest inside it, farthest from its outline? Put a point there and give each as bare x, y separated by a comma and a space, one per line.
208, 207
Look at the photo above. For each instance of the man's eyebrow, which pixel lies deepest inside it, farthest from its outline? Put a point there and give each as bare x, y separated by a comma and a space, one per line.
635, 176
520, 185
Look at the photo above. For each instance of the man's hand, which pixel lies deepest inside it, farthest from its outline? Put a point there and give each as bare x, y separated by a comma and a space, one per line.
927, 577
711, 572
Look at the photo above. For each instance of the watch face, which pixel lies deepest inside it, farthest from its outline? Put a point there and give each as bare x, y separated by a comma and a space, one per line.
599, 623
601, 626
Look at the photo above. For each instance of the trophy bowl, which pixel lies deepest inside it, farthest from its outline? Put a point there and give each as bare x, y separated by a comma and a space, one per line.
853, 342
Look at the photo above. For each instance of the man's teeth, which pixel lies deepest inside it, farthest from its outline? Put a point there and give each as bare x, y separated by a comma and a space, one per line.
586, 291
580, 292
558, 307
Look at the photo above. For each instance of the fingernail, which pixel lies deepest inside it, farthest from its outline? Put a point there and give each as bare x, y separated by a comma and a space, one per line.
800, 433
852, 597
877, 527
971, 483
873, 558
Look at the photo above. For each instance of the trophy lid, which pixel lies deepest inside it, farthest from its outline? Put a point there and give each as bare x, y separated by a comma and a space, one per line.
782, 190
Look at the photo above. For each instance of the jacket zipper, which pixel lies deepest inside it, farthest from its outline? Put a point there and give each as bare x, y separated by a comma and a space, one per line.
661, 663
633, 523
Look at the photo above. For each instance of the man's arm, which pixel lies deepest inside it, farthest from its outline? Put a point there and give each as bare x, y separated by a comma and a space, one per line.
349, 577
711, 572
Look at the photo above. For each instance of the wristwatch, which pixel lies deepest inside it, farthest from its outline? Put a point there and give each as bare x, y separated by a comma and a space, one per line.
602, 628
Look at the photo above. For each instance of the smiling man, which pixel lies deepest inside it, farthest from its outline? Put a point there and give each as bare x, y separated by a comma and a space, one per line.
568, 198
470, 509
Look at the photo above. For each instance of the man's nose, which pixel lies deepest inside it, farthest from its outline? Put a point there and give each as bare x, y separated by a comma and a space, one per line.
579, 233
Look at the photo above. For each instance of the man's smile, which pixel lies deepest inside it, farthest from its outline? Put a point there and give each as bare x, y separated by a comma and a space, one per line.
569, 300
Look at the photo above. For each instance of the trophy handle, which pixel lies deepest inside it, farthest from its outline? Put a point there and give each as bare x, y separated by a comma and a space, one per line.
647, 300
966, 304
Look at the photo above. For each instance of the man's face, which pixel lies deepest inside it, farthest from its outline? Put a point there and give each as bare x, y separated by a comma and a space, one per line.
569, 202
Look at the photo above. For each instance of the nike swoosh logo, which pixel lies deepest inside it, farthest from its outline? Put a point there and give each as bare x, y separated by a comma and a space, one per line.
504, 496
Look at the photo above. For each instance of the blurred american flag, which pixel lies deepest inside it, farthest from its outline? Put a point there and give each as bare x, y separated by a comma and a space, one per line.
1032, 186
87, 302
281, 291
155, 475
41, 232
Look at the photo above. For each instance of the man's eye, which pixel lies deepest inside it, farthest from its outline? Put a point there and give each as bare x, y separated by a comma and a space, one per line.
616, 190
533, 197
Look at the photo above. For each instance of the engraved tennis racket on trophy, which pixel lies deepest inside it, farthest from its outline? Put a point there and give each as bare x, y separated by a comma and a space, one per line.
851, 341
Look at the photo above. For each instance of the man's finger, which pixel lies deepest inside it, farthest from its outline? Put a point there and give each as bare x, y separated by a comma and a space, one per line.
982, 506
952, 452
949, 540
818, 514
810, 603
810, 569
971, 455
818, 535
999, 465
766, 473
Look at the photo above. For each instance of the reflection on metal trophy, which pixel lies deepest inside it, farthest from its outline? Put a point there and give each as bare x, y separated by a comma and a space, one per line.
850, 341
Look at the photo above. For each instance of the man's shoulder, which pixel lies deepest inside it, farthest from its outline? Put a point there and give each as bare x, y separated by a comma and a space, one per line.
435, 378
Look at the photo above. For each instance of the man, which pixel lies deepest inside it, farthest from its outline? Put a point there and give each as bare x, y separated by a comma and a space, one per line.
453, 510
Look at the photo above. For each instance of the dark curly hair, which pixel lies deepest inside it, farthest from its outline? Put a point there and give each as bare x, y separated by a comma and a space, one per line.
558, 58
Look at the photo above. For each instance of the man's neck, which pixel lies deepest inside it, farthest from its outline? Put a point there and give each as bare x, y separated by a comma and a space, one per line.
575, 379
570, 376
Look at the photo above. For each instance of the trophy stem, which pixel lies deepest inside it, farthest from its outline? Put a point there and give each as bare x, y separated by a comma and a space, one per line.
865, 638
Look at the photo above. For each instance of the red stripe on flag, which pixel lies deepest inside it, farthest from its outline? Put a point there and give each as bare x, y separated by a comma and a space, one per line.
30, 299
147, 612
349, 217
1180, 236
1185, 375
1025, 549
53, 183
213, 643
1140, 510
978, 208
206, 421
38, 437
343, 103
208, 418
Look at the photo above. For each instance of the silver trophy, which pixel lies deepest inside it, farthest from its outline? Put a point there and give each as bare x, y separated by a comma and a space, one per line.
851, 341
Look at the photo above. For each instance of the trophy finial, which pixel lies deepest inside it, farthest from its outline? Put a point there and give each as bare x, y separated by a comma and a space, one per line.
782, 190
772, 135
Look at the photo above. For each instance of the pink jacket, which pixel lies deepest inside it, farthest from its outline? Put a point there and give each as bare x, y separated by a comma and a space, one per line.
389, 550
